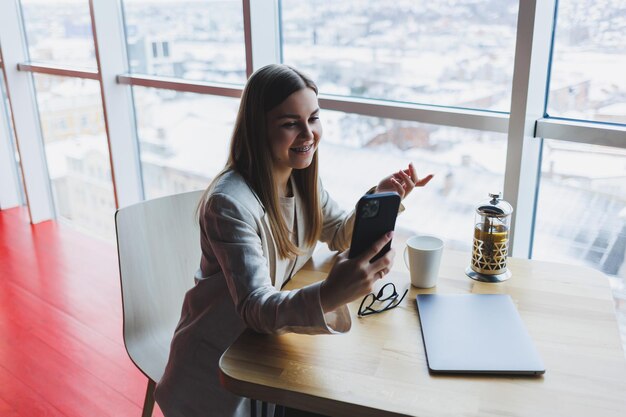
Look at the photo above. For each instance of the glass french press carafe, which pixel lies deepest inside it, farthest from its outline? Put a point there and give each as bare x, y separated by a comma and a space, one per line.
491, 240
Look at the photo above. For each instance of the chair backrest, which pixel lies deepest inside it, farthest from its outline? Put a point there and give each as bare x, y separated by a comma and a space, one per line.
158, 243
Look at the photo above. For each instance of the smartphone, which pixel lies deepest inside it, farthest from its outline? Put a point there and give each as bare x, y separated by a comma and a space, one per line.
375, 215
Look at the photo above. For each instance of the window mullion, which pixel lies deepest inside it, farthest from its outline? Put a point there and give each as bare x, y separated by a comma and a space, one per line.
117, 101
262, 33
9, 178
581, 131
530, 79
21, 92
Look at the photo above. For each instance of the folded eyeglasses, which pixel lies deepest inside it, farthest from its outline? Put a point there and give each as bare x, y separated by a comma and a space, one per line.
385, 299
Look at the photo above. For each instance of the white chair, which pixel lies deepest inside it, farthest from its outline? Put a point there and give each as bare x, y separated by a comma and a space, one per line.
158, 243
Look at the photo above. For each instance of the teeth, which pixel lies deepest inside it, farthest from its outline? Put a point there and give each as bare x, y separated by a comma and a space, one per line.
302, 149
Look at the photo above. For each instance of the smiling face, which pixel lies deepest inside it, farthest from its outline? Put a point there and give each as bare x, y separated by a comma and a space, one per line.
294, 131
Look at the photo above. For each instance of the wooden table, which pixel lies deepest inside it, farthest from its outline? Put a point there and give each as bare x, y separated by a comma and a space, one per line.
379, 367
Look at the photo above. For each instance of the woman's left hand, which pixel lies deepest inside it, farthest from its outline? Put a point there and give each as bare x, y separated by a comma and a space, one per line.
403, 181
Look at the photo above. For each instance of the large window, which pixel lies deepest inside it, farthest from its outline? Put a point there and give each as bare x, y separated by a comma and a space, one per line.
356, 152
581, 213
196, 40
70, 111
59, 32
408, 80
454, 53
589, 64
183, 138
582, 201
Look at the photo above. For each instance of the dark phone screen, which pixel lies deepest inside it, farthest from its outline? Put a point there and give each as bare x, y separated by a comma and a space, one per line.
375, 215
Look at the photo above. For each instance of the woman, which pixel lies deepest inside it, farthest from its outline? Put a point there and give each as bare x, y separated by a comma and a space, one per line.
260, 220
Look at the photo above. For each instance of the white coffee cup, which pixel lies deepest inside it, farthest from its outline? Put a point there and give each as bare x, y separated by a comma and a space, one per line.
422, 256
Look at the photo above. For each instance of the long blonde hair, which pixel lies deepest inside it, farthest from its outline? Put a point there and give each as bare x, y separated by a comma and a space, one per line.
251, 157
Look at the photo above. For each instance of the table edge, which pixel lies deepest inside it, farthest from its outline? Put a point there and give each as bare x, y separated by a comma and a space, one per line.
298, 400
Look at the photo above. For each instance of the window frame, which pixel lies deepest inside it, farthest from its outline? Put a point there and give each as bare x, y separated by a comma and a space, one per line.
10, 187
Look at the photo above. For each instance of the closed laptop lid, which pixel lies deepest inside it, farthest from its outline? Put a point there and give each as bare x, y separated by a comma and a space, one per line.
476, 333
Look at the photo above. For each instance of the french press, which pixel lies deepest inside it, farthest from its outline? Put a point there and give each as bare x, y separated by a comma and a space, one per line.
491, 240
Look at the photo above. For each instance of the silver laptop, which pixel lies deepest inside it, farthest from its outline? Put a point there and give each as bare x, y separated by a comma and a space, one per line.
476, 333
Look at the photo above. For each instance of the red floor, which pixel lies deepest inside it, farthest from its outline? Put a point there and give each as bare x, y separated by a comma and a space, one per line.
61, 347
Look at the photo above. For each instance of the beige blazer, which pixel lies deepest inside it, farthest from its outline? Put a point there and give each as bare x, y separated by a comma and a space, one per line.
237, 286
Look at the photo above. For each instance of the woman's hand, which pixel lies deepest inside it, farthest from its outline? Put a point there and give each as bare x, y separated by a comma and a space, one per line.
351, 279
403, 181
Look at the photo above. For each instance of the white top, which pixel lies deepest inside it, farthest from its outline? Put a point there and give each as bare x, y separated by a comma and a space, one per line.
288, 210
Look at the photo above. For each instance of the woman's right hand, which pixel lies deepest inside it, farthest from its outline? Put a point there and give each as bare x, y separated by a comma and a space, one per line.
351, 279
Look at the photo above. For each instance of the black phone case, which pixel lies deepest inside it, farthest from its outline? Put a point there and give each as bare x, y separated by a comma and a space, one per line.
368, 230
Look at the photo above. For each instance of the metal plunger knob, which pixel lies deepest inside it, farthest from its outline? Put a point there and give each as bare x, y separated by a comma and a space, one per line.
495, 197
